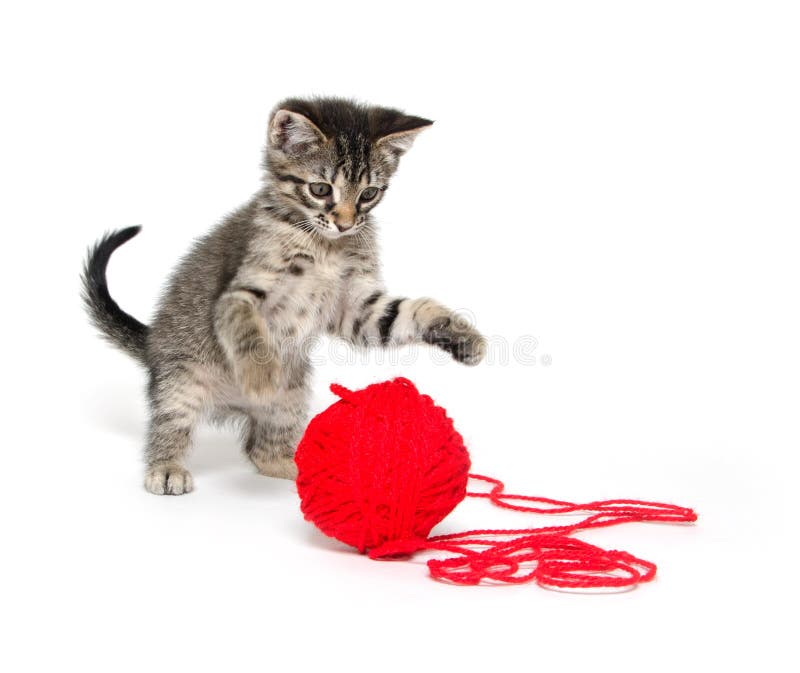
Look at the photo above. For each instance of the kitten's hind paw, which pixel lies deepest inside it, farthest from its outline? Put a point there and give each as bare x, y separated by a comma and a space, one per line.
282, 467
168, 479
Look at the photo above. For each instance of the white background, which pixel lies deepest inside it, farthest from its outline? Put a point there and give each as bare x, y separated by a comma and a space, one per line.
617, 180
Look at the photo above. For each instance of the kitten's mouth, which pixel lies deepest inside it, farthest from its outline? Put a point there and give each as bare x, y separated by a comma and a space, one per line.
333, 234
327, 232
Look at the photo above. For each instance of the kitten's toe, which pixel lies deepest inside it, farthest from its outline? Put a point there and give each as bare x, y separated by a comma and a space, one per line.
282, 467
168, 479
470, 349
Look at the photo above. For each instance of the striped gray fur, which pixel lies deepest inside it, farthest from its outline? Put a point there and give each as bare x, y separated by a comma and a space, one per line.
231, 333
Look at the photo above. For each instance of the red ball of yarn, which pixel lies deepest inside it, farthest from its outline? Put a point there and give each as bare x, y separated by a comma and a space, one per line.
381, 467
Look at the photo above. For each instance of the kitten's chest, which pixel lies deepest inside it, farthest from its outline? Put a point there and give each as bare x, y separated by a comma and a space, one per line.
307, 297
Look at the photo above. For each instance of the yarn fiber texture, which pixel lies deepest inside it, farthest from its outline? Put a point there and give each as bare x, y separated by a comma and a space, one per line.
381, 467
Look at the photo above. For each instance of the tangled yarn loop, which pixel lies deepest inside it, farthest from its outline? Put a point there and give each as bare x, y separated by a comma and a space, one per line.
548, 555
382, 466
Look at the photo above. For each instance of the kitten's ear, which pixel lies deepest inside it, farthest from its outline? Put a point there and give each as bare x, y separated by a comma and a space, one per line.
396, 135
293, 133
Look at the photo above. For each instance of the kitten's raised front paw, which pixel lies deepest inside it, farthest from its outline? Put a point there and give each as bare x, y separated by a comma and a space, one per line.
459, 338
168, 479
258, 379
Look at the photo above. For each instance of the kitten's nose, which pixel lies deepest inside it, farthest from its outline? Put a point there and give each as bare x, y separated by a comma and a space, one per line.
344, 218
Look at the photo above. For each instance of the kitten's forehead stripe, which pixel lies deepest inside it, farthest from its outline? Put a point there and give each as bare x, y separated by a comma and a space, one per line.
338, 167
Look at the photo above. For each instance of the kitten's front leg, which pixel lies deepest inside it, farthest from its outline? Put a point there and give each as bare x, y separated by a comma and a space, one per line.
248, 344
379, 319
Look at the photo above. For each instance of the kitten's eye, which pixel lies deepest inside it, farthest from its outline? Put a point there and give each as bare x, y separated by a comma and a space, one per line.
320, 188
369, 193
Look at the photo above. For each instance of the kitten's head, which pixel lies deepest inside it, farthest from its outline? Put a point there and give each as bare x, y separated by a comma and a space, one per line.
330, 160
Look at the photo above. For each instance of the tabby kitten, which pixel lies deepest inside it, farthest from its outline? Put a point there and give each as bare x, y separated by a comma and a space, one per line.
230, 335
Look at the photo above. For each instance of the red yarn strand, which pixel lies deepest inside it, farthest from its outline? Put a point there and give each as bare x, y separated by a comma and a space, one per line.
548, 555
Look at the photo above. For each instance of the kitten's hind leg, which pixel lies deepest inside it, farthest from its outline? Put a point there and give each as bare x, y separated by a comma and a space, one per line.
272, 435
271, 447
177, 397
